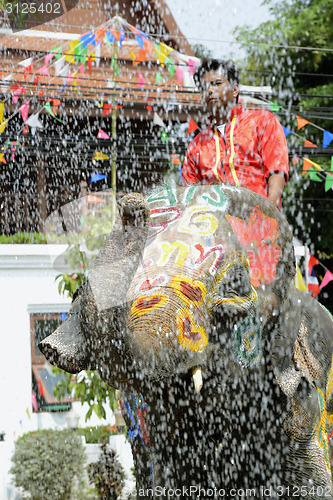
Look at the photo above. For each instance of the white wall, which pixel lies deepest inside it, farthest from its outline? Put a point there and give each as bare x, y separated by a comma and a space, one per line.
27, 285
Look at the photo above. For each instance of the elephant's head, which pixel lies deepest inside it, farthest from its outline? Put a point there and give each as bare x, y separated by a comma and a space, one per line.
215, 268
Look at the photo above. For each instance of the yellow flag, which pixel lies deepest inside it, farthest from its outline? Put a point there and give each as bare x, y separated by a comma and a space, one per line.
69, 56
299, 281
3, 125
101, 156
2, 110
165, 49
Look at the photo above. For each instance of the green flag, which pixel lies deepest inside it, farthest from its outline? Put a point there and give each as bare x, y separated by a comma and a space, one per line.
164, 136
159, 79
48, 108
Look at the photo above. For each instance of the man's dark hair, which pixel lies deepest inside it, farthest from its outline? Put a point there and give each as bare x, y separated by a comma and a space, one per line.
228, 68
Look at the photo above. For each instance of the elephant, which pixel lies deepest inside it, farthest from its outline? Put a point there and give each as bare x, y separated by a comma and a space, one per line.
224, 367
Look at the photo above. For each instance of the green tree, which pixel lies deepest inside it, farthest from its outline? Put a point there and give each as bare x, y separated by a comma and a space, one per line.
292, 53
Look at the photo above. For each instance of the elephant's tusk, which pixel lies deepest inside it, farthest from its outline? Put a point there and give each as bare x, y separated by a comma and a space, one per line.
197, 378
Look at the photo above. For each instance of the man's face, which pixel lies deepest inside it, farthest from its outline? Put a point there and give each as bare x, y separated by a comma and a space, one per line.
217, 93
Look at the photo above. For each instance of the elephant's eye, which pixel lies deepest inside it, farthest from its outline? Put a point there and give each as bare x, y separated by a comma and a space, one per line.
234, 283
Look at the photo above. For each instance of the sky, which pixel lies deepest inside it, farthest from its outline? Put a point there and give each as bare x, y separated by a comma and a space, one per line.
211, 22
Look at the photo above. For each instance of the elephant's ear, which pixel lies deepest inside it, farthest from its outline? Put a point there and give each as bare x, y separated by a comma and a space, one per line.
66, 348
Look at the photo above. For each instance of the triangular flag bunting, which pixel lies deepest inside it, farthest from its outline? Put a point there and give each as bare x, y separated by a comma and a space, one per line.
301, 122
327, 138
314, 176
328, 181
101, 156
158, 120
327, 278
179, 74
164, 136
34, 122
309, 144
2, 110
299, 281
192, 126
3, 125
295, 159
286, 131
48, 57
25, 110
47, 106
274, 106
159, 79
97, 177
171, 67
102, 135
142, 81
44, 70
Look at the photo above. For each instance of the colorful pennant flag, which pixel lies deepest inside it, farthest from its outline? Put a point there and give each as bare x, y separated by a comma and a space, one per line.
309, 144
299, 281
179, 74
327, 138
301, 122
102, 135
313, 284
307, 164
34, 402
164, 136
44, 70
159, 79
327, 278
3, 125
158, 120
286, 131
274, 107
49, 57
2, 111
97, 177
25, 110
142, 81
19, 91
101, 156
34, 122
48, 108
192, 126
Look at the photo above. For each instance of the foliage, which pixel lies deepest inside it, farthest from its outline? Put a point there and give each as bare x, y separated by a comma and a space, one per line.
201, 51
107, 474
69, 283
46, 463
281, 53
89, 388
31, 238
97, 434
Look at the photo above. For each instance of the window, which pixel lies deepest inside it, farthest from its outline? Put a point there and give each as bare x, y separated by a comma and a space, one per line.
43, 379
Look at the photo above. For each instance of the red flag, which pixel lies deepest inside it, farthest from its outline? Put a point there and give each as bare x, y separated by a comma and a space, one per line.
40, 387
89, 65
309, 144
192, 126
312, 262
301, 122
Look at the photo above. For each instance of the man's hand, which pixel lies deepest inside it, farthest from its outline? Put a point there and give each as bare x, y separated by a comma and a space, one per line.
276, 184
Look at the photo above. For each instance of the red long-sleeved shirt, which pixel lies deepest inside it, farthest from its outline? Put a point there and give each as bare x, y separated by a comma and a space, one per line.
260, 149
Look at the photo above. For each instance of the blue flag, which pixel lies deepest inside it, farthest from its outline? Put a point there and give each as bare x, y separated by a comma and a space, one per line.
286, 131
97, 177
327, 138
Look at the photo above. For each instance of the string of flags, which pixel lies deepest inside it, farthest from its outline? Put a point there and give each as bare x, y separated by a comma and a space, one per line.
82, 53
313, 284
311, 168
